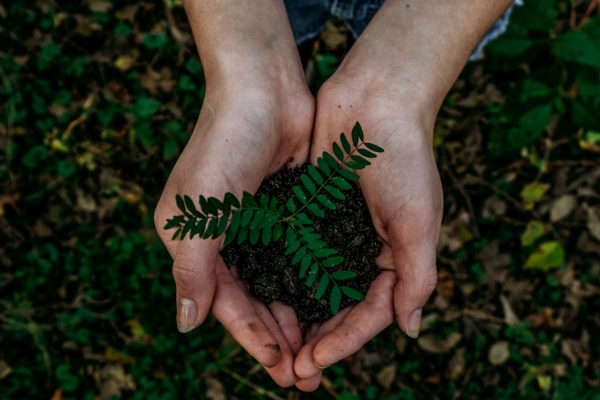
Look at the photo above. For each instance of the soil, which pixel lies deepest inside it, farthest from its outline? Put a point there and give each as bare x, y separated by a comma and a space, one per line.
348, 229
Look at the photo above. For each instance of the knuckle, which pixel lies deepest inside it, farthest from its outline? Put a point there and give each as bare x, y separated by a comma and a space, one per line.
430, 280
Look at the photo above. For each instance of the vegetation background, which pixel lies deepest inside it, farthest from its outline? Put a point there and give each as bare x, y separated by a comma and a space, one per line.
98, 99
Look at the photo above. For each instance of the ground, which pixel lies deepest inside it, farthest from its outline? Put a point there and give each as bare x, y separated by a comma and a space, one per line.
98, 99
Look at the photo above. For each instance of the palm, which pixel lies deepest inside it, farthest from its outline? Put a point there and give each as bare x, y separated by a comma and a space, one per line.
403, 192
235, 145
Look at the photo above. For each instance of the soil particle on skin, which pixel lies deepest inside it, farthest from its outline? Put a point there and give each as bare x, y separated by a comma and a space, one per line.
347, 229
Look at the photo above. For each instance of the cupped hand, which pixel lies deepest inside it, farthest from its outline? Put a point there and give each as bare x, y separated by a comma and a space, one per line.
245, 132
403, 192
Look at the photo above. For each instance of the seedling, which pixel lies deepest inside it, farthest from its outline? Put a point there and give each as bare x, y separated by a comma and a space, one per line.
247, 219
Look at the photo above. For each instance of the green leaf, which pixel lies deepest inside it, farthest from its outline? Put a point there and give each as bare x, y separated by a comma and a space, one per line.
247, 217
293, 247
322, 253
326, 202
348, 174
300, 194
355, 137
330, 262
316, 210
338, 151
258, 218
341, 182
354, 165
277, 232
317, 244
367, 153
335, 193
266, 236
330, 160
359, 131
345, 143
343, 275
304, 231
374, 147
534, 191
311, 237
304, 265
323, 166
187, 227
191, 207
176, 234
314, 270
299, 255
248, 200
216, 203
173, 222
221, 226
242, 235
304, 220
360, 160
533, 231
155, 40
235, 221
273, 204
352, 293
548, 255
291, 206
312, 171
264, 200
536, 120
322, 286
180, 204
199, 228
206, 207
308, 183
578, 47
335, 299
210, 228
232, 200
254, 235
229, 237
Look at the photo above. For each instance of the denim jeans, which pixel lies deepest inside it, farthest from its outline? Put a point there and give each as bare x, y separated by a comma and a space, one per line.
309, 17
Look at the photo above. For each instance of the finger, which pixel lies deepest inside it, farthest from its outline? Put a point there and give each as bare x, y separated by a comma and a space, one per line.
304, 366
283, 372
194, 275
414, 254
233, 309
285, 317
367, 319
311, 384
312, 331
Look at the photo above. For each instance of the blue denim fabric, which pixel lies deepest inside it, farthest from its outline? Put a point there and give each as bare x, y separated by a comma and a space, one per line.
309, 17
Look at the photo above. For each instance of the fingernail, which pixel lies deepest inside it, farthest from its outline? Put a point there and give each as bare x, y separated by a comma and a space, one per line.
327, 366
414, 323
186, 315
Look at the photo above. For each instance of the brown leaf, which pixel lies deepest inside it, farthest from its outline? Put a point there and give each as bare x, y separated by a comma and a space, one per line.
387, 376
562, 207
8, 199
215, 390
494, 207
113, 379
445, 284
594, 221
431, 344
5, 370
457, 364
499, 353
58, 394
509, 315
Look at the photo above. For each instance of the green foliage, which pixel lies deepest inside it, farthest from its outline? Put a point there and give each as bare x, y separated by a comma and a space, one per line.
246, 218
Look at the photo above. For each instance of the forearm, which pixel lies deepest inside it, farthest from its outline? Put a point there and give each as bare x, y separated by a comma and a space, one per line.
240, 37
418, 48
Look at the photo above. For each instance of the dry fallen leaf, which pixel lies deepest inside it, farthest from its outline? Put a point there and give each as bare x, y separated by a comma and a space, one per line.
5, 370
499, 353
58, 394
387, 376
215, 390
457, 364
594, 221
431, 344
562, 207
509, 315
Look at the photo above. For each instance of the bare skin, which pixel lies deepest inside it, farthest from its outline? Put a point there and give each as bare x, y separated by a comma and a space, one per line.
258, 114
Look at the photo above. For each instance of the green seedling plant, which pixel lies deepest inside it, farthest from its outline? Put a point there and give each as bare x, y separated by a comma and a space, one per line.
265, 220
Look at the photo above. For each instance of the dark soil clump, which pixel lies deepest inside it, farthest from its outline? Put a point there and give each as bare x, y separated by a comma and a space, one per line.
270, 273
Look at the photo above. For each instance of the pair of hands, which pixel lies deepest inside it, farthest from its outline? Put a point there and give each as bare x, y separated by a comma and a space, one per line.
246, 132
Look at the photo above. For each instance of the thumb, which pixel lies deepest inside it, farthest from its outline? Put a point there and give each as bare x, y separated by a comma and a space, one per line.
194, 274
414, 255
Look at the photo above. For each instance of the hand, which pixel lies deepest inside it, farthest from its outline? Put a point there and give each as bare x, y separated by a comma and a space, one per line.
403, 192
249, 127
